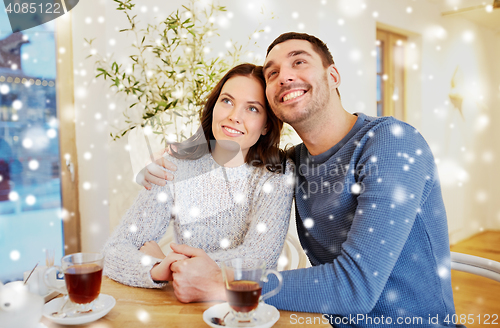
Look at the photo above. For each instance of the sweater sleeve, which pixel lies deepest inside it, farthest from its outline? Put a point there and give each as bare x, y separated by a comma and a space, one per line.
269, 220
147, 219
388, 202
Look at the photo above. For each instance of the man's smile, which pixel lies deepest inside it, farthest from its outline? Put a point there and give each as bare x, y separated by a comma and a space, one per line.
291, 95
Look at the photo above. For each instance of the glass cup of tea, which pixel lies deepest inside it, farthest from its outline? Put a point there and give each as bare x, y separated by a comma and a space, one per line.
82, 273
243, 279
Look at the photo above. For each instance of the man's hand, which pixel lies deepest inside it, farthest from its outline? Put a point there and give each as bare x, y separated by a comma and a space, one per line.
153, 173
197, 278
151, 248
162, 271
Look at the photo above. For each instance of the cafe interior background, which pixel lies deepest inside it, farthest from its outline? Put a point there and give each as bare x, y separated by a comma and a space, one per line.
65, 183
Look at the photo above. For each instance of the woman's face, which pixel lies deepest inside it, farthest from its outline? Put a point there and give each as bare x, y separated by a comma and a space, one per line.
239, 113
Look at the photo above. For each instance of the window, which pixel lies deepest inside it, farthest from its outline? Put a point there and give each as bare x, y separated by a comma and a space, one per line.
37, 201
391, 74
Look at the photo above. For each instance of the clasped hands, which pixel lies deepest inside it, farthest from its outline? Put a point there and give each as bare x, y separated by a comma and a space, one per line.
196, 277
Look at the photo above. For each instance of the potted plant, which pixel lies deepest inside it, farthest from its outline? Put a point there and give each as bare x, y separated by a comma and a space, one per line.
170, 70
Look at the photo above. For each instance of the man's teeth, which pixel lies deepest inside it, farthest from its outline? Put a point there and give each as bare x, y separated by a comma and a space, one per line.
292, 95
232, 131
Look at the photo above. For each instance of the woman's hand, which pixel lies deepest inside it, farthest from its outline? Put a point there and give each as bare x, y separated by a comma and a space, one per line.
151, 248
161, 271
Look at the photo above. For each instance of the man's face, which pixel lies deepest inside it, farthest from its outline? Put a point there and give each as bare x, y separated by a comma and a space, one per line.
296, 82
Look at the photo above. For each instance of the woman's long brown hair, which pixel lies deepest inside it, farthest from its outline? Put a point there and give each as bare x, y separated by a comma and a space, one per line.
265, 152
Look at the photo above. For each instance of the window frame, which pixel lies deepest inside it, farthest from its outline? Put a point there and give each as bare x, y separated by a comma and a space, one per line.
67, 135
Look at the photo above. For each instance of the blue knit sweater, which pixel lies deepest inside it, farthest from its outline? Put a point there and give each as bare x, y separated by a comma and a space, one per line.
371, 218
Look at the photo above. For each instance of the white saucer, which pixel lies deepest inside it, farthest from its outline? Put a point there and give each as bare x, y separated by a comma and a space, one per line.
267, 313
102, 306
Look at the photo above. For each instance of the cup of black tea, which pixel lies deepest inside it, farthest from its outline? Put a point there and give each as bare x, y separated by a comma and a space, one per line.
243, 279
82, 273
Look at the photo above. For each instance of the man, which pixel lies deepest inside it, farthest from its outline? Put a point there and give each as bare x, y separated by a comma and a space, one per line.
370, 214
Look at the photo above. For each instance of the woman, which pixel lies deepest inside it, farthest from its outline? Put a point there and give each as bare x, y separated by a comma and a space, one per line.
230, 198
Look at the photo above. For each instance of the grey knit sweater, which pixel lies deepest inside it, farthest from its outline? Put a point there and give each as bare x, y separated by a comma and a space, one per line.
242, 211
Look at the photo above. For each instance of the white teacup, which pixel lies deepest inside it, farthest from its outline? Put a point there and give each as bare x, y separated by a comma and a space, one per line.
19, 308
36, 282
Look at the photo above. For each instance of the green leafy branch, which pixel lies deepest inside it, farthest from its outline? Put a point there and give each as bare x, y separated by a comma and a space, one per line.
168, 72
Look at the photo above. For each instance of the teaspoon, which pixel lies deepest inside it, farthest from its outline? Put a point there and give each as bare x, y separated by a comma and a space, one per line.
219, 321
61, 313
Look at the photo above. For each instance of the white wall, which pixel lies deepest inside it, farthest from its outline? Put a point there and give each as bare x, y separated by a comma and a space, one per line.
464, 147
92, 130
470, 206
494, 211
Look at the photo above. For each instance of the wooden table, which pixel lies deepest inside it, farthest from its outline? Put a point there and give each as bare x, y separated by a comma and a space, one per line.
142, 307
